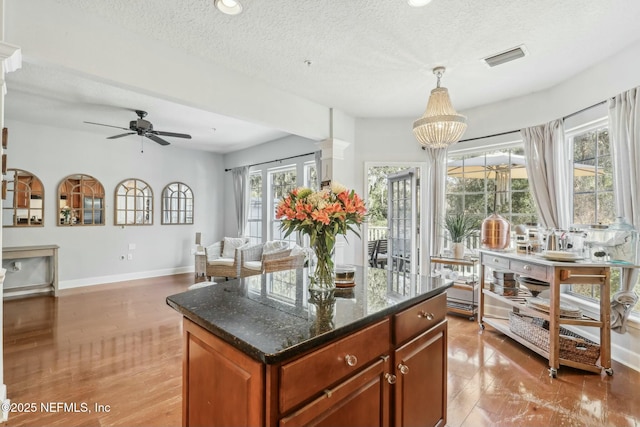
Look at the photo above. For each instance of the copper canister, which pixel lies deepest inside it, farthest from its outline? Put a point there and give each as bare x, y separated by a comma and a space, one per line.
495, 232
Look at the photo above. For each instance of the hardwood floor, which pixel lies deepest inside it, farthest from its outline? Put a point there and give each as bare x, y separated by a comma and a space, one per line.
115, 352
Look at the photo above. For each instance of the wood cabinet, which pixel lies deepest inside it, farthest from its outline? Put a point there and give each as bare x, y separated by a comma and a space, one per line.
389, 373
360, 400
421, 387
556, 274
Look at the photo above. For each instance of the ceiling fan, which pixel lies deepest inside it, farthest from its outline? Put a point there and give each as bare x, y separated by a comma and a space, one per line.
143, 127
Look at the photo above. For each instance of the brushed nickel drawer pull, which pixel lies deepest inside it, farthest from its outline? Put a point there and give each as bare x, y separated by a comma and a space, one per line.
496, 260
328, 393
391, 379
424, 314
527, 267
351, 360
404, 369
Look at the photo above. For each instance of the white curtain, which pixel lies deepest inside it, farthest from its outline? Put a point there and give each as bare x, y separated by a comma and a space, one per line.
549, 177
241, 190
436, 174
624, 131
318, 160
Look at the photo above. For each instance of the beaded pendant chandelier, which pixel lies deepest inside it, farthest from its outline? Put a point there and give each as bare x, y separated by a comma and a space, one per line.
440, 125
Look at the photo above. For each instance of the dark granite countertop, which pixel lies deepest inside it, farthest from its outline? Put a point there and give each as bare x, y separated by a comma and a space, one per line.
274, 317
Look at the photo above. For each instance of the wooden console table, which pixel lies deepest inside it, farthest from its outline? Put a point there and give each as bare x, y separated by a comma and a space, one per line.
47, 251
556, 273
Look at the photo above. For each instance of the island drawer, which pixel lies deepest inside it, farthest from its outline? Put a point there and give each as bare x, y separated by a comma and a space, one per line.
419, 318
317, 371
528, 269
495, 262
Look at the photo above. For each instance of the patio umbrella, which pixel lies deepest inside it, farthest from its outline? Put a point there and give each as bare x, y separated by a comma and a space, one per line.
494, 165
497, 166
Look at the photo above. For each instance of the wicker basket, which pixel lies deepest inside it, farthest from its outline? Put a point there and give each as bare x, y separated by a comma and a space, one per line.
572, 346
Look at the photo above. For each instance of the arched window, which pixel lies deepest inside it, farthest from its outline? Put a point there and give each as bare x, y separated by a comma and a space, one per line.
177, 204
23, 204
133, 203
80, 201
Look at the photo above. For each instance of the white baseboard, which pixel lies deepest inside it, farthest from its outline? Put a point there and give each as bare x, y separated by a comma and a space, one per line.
101, 280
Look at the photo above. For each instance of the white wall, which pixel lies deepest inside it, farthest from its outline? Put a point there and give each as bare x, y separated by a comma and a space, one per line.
91, 254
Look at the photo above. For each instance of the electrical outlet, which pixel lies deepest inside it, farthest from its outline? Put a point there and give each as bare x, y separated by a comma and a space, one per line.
129, 257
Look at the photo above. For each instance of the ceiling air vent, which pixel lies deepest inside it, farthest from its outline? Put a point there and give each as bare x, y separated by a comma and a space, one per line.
501, 58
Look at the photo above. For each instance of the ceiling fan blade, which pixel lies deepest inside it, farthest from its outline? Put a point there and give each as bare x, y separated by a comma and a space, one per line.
101, 124
173, 134
156, 139
121, 135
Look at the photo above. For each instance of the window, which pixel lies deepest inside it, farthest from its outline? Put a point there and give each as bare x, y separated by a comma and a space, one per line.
593, 192
281, 182
593, 199
486, 182
177, 204
134, 203
254, 224
311, 176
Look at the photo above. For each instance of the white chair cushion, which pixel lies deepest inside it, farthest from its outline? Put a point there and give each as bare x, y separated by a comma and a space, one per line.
253, 265
274, 246
230, 246
222, 261
213, 251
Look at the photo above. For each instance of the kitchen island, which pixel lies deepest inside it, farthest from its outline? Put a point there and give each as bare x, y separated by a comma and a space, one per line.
265, 351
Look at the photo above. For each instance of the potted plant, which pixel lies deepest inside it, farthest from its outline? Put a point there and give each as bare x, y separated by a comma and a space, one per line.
460, 226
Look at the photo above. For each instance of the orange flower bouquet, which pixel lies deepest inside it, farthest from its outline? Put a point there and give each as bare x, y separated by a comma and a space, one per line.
322, 215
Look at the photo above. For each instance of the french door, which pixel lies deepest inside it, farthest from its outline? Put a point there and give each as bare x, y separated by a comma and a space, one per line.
402, 216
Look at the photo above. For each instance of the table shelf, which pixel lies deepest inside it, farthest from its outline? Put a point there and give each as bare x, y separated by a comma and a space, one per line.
557, 274
461, 297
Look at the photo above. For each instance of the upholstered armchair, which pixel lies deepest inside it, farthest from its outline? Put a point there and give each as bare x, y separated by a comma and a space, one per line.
223, 257
269, 257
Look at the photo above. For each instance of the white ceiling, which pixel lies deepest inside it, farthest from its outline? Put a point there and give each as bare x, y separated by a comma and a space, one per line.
369, 59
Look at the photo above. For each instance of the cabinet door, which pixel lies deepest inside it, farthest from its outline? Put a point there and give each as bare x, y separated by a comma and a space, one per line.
221, 386
360, 400
421, 391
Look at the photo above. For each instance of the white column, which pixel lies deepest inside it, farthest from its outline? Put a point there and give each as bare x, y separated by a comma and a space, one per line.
11, 59
333, 169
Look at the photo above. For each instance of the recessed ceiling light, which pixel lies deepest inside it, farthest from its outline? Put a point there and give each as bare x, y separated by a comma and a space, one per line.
229, 7
418, 3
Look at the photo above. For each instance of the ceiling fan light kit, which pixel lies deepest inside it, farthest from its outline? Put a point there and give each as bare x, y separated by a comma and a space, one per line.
143, 127
440, 125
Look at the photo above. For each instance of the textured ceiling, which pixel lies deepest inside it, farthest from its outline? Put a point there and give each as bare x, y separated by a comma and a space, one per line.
367, 58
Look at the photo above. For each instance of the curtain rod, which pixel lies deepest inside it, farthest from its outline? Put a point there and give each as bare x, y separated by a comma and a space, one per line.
273, 161
517, 131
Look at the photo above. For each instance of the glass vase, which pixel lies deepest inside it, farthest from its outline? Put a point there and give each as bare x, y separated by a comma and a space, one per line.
322, 268
321, 311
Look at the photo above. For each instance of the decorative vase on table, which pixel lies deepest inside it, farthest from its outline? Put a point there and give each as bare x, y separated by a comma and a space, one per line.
458, 250
321, 215
322, 266
321, 311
